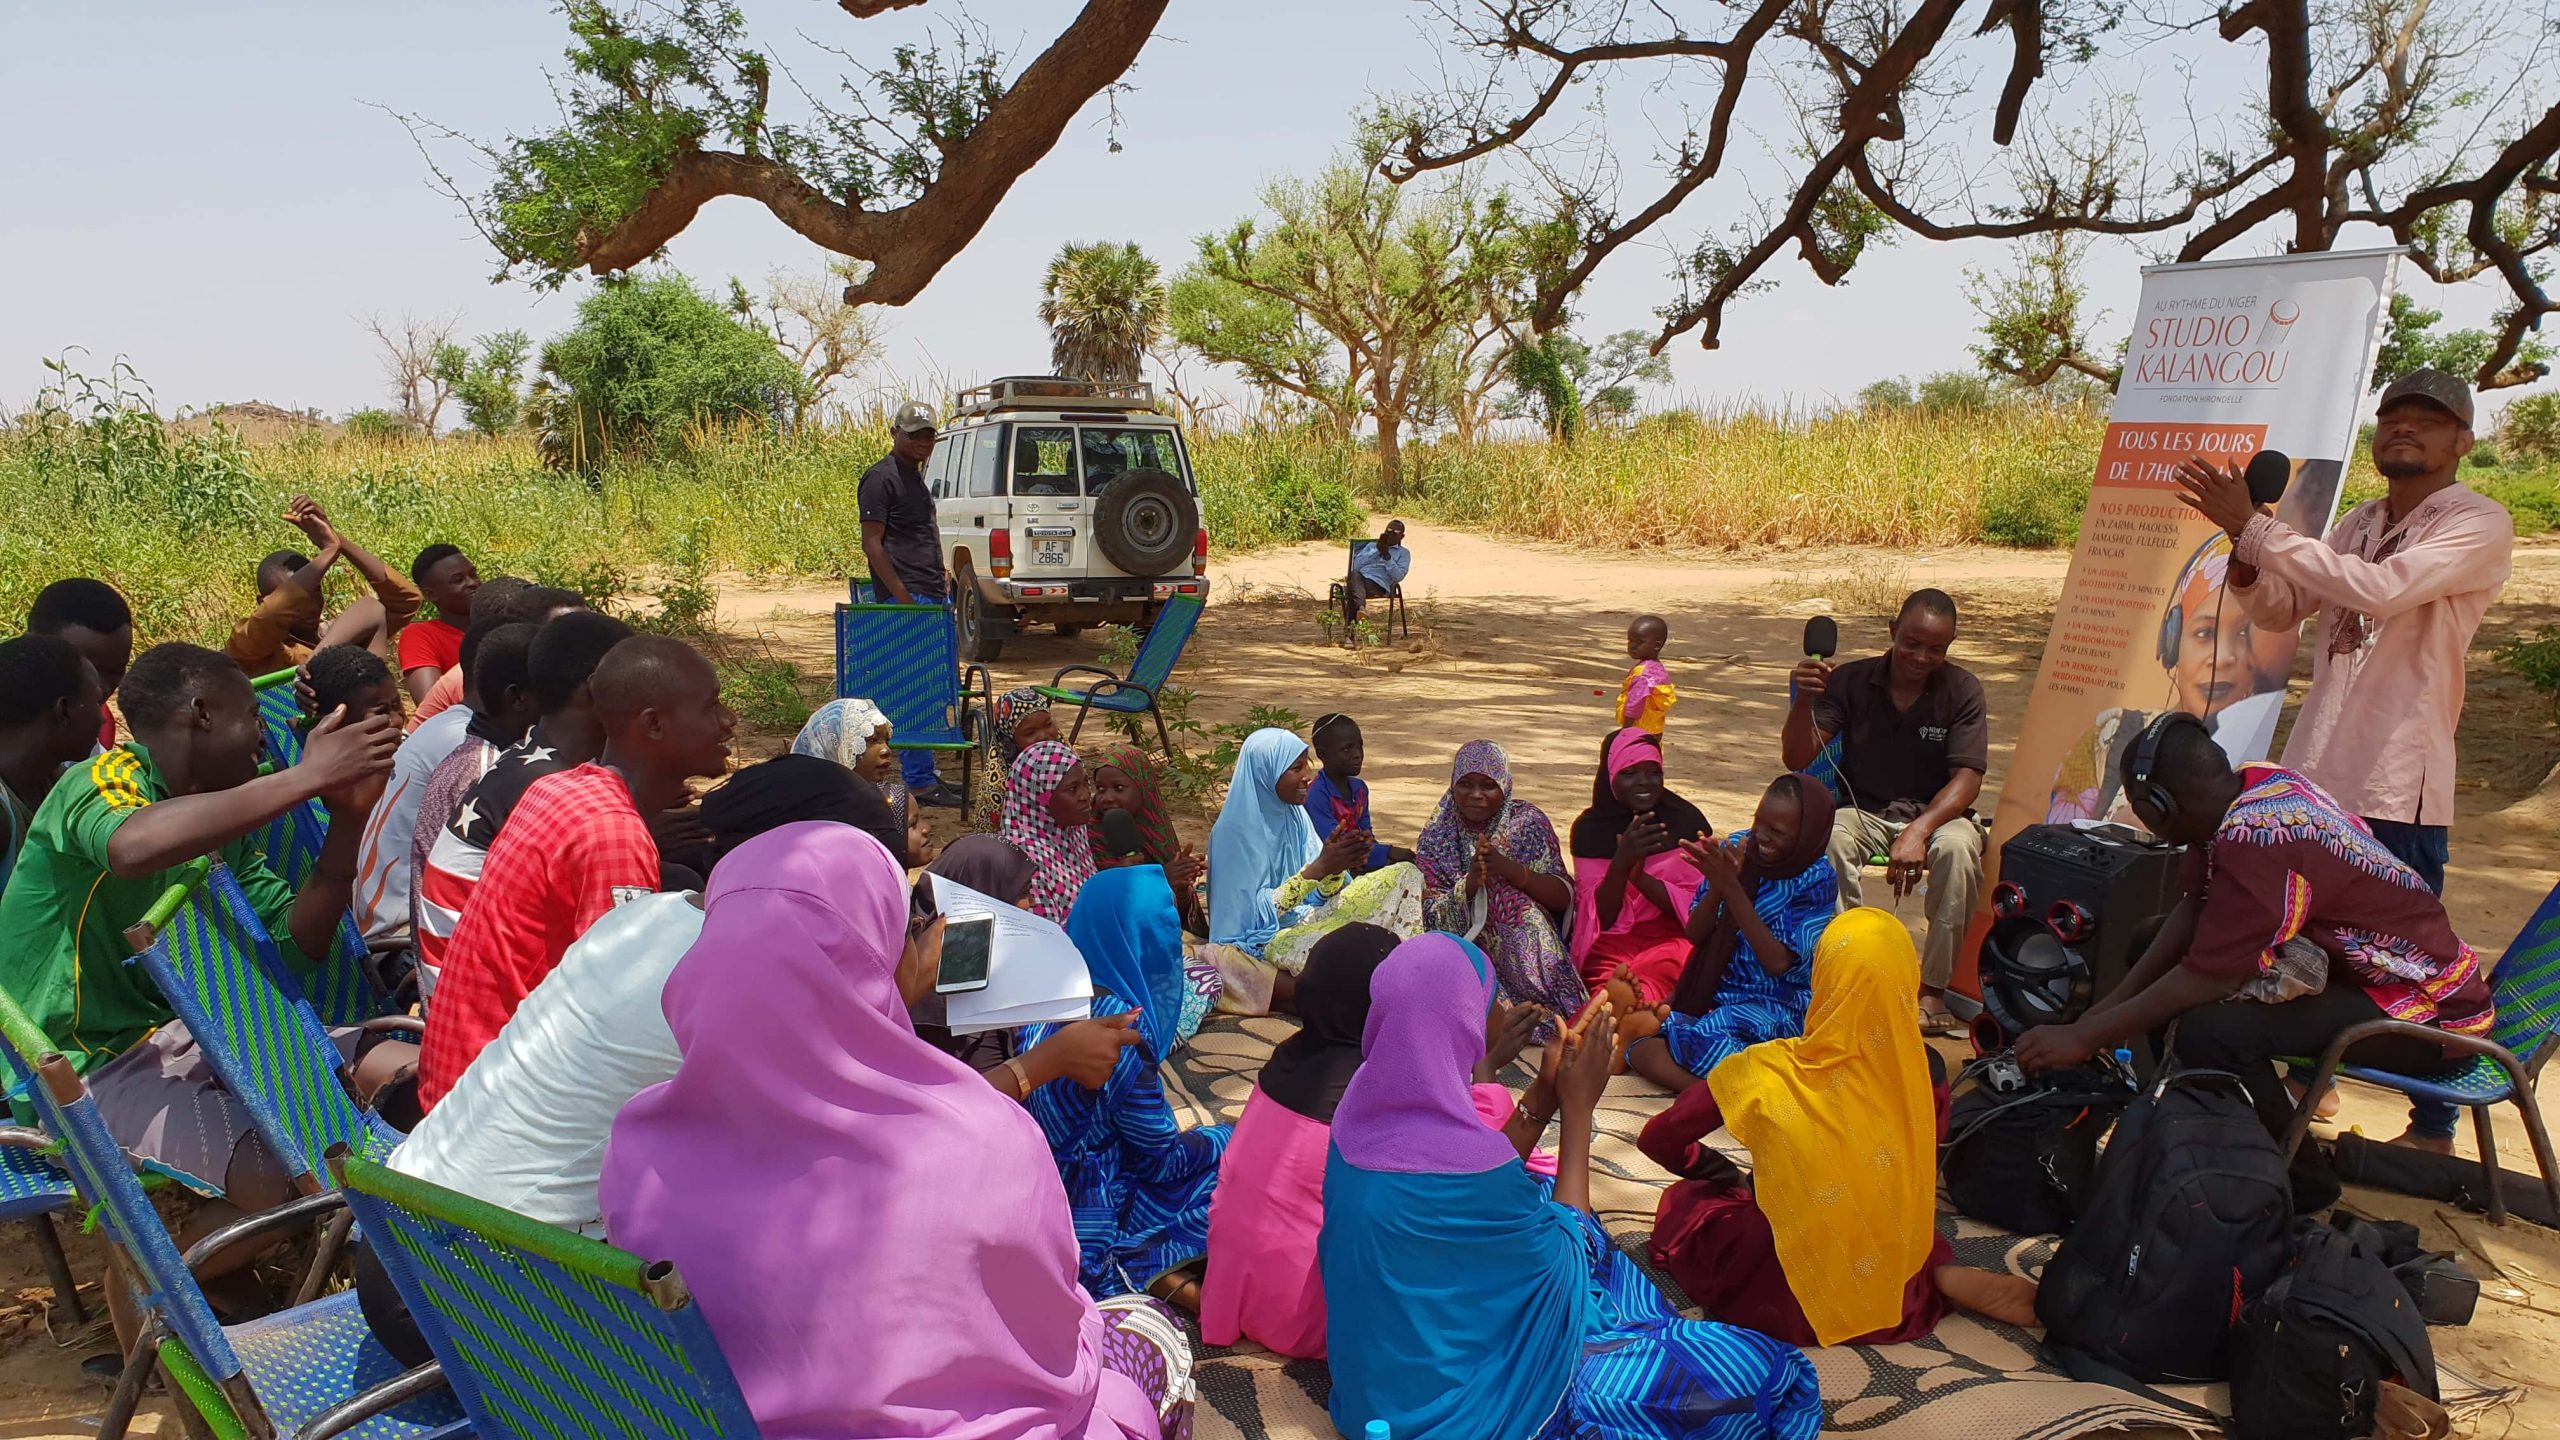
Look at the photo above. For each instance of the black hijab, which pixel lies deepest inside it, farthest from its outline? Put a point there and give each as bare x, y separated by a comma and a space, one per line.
1711, 957
1309, 1071
1596, 831
790, 788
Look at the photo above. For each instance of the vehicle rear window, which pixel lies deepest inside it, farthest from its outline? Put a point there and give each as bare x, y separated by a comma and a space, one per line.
1112, 453
1044, 460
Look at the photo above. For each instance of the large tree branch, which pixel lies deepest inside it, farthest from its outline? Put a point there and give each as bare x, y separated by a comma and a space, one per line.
2286, 24
909, 244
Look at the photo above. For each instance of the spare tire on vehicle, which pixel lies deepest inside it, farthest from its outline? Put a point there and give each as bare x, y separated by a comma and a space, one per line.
1144, 523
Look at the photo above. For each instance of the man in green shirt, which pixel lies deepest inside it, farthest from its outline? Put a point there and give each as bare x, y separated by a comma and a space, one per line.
107, 841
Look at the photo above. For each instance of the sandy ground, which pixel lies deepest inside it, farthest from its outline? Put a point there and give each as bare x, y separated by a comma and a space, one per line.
1510, 641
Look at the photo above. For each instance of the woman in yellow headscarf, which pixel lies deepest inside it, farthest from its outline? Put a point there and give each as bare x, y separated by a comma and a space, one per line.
1835, 1239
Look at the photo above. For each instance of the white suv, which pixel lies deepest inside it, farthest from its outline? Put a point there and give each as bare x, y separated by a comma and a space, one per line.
1065, 502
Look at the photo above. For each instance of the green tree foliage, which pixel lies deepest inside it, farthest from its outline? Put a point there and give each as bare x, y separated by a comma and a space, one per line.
1563, 383
2410, 341
650, 362
2032, 327
489, 384
2530, 430
1104, 305
1345, 291
666, 105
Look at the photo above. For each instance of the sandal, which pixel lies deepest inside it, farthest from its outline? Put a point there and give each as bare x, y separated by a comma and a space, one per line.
1939, 1021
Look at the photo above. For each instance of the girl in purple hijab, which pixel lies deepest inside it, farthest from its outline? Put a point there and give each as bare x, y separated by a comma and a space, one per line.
1461, 1301
875, 1235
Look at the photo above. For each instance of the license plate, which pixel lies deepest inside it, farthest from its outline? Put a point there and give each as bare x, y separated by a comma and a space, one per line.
1049, 552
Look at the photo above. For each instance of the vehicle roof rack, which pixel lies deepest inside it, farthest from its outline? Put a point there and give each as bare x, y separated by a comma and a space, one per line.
1053, 392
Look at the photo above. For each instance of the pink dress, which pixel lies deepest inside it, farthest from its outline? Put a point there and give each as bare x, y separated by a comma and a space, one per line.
1263, 1284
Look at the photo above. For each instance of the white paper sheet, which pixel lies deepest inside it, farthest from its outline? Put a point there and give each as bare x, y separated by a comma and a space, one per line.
1034, 972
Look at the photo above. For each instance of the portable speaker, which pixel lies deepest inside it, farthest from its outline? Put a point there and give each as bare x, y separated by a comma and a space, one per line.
2094, 891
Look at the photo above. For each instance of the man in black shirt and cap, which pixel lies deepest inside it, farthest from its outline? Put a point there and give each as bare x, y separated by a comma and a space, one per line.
902, 547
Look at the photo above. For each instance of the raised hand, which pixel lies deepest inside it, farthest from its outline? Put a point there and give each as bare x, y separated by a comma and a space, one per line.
1184, 870
347, 760
1507, 1030
1811, 676
1585, 1074
1643, 839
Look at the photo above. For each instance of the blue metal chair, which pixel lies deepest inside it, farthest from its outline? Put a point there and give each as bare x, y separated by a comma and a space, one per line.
906, 660
309, 1372
2526, 990
1136, 693
33, 1183
214, 962
545, 1333
346, 990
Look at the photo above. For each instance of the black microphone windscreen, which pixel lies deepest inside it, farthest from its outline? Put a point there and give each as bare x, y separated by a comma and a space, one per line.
1822, 636
1120, 834
2269, 472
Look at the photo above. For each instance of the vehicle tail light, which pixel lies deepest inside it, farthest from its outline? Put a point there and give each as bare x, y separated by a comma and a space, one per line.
1200, 552
1000, 553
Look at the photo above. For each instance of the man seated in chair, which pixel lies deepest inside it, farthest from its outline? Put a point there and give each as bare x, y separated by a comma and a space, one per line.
104, 845
1378, 567
2293, 905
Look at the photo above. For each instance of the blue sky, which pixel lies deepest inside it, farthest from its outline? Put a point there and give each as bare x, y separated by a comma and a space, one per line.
206, 190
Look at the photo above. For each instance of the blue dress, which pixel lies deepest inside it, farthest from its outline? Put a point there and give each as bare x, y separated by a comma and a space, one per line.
1137, 1183
1472, 1307
1753, 1005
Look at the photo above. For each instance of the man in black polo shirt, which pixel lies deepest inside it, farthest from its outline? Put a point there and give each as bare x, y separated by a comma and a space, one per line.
1914, 744
902, 546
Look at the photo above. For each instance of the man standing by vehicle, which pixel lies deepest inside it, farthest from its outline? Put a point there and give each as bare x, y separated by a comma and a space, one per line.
902, 547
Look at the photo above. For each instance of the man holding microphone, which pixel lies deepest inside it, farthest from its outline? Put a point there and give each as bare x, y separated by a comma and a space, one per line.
2397, 588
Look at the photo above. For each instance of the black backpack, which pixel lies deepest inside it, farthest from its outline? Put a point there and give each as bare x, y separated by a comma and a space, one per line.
2309, 1356
2190, 1217
2022, 1159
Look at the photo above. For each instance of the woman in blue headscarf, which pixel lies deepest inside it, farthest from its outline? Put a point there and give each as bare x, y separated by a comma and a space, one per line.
1276, 887
1463, 1304
1137, 1182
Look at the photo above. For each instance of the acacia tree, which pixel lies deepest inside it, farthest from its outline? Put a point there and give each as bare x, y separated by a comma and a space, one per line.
1347, 292
666, 107
809, 321
1563, 383
2429, 122
1105, 307
421, 361
2032, 326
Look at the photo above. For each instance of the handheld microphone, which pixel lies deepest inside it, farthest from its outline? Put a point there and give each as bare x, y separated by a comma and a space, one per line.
1120, 836
2269, 472
1822, 636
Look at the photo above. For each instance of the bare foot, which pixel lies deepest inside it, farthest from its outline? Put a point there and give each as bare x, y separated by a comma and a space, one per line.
2432, 1144
2327, 1109
2009, 1299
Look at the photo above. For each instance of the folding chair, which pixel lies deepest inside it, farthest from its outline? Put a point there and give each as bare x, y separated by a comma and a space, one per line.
2525, 987
347, 990
1136, 694
215, 964
33, 1184
1342, 596
307, 1372
906, 660
544, 1333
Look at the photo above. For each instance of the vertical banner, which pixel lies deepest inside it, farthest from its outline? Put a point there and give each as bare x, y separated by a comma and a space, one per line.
2228, 357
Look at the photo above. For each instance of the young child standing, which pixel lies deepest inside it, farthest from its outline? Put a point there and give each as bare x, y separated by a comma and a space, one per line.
1339, 795
1646, 696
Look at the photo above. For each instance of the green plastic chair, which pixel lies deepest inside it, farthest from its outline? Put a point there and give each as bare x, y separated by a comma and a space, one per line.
34, 1186
2525, 987
906, 660
347, 990
1134, 694
546, 1334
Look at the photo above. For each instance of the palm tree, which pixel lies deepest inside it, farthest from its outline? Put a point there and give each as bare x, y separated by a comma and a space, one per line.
1104, 305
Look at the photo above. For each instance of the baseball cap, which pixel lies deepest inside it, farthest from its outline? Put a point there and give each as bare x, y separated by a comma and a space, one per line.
2436, 388
916, 415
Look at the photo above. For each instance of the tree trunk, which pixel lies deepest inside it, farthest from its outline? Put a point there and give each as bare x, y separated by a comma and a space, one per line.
1390, 455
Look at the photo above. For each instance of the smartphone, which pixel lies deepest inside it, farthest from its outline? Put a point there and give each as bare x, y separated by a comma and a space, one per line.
968, 942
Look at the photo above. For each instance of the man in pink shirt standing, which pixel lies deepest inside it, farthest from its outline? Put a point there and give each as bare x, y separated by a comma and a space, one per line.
2398, 589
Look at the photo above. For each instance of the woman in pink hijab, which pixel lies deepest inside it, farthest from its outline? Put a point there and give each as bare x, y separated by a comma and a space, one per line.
1632, 888
876, 1236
